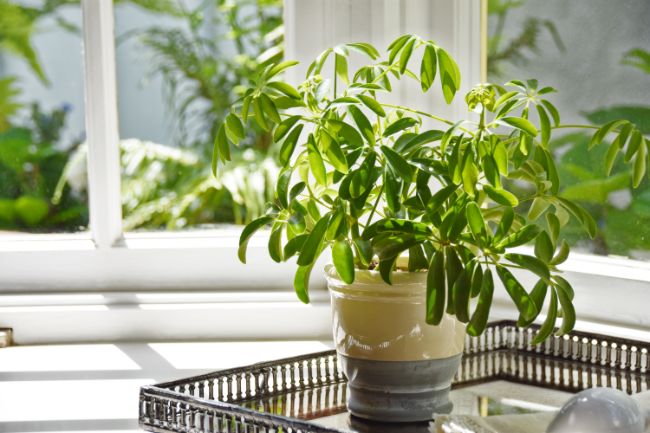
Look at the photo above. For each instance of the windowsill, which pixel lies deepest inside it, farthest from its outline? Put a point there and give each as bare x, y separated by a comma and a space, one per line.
95, 387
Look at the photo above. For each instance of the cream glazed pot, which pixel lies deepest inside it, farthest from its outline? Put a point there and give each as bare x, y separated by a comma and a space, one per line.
399, 368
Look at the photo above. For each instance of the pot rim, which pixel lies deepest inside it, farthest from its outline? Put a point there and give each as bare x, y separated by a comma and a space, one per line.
368, 282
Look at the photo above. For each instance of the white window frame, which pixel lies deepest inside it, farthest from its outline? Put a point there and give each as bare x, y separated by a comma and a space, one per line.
108, 285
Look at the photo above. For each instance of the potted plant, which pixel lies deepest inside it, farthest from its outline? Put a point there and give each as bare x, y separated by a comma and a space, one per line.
420, 220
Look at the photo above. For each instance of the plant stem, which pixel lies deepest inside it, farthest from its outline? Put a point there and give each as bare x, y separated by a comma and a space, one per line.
374, 208
576, 126
424, 113
336, 67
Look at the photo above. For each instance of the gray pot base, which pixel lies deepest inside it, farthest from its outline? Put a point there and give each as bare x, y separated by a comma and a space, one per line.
399, 391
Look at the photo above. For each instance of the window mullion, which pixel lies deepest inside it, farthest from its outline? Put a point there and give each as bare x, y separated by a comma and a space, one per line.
101, 123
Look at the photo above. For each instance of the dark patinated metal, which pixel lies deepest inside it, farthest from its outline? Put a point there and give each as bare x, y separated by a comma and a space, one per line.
285, 395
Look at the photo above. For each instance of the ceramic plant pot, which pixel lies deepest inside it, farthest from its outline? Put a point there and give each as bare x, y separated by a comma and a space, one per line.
399, 368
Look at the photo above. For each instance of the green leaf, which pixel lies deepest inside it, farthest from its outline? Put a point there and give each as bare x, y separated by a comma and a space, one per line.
285, 89
276, 69
282, 186
393, 225
544, 247
372, 104
531, 263
507, 218
386, 269
446, 137
343, 260
395, 47
416, 141
453, 267
417, 260
553, 224
545, 125
364, 250
521, 124
469, 172
245, 108
314, 242
428, 67
500, 156
348, 132
538, 295
294, 245
391, 246
568, 311
477, 279
636, 139
341, 63
581, 215
600, 134
538, 207
248, 231
31, 210
520, 237
398, 164
301, 282
562, 254
363, 124
275, 243
316, 163
505, 98
284, 127
235, 127
553, 111
501, 196
449, 74
269, 108
220, 142
258, 112
475, 220
392, 190
612, 153
436, 289
365, 48
334, 226
400, 125
439, 198
522, 300
479, 319
406, 54
336, 156
289, 145
640, 164
462, 290
547, 327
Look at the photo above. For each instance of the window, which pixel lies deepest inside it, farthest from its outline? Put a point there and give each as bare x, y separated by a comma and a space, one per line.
601, 69
41, 118
135, 268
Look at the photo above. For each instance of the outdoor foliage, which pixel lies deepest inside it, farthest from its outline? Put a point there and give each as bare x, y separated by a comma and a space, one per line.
205, 60
370, 181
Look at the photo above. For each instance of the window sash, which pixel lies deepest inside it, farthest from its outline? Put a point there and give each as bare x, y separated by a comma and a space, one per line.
105, 209
39, 274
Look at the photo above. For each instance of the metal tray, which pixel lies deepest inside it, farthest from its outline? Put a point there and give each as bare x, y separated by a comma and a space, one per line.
293, 394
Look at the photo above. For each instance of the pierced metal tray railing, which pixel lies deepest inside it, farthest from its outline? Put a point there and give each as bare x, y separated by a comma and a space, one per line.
284, 395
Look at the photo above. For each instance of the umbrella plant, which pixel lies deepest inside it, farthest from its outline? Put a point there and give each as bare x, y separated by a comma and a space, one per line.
373, 181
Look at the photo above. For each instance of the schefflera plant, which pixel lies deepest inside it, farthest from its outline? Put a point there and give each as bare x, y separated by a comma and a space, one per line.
368, 180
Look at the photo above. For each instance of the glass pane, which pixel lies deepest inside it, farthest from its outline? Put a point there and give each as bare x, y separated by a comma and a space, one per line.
181, 65
41, 118
596, 53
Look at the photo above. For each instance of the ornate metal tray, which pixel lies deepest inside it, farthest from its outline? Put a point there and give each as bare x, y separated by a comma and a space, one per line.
296, 394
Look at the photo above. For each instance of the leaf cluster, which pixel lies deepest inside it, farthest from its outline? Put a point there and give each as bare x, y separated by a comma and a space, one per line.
372, 182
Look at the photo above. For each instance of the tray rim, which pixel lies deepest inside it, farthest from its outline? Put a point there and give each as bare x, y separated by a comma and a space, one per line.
235, 407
